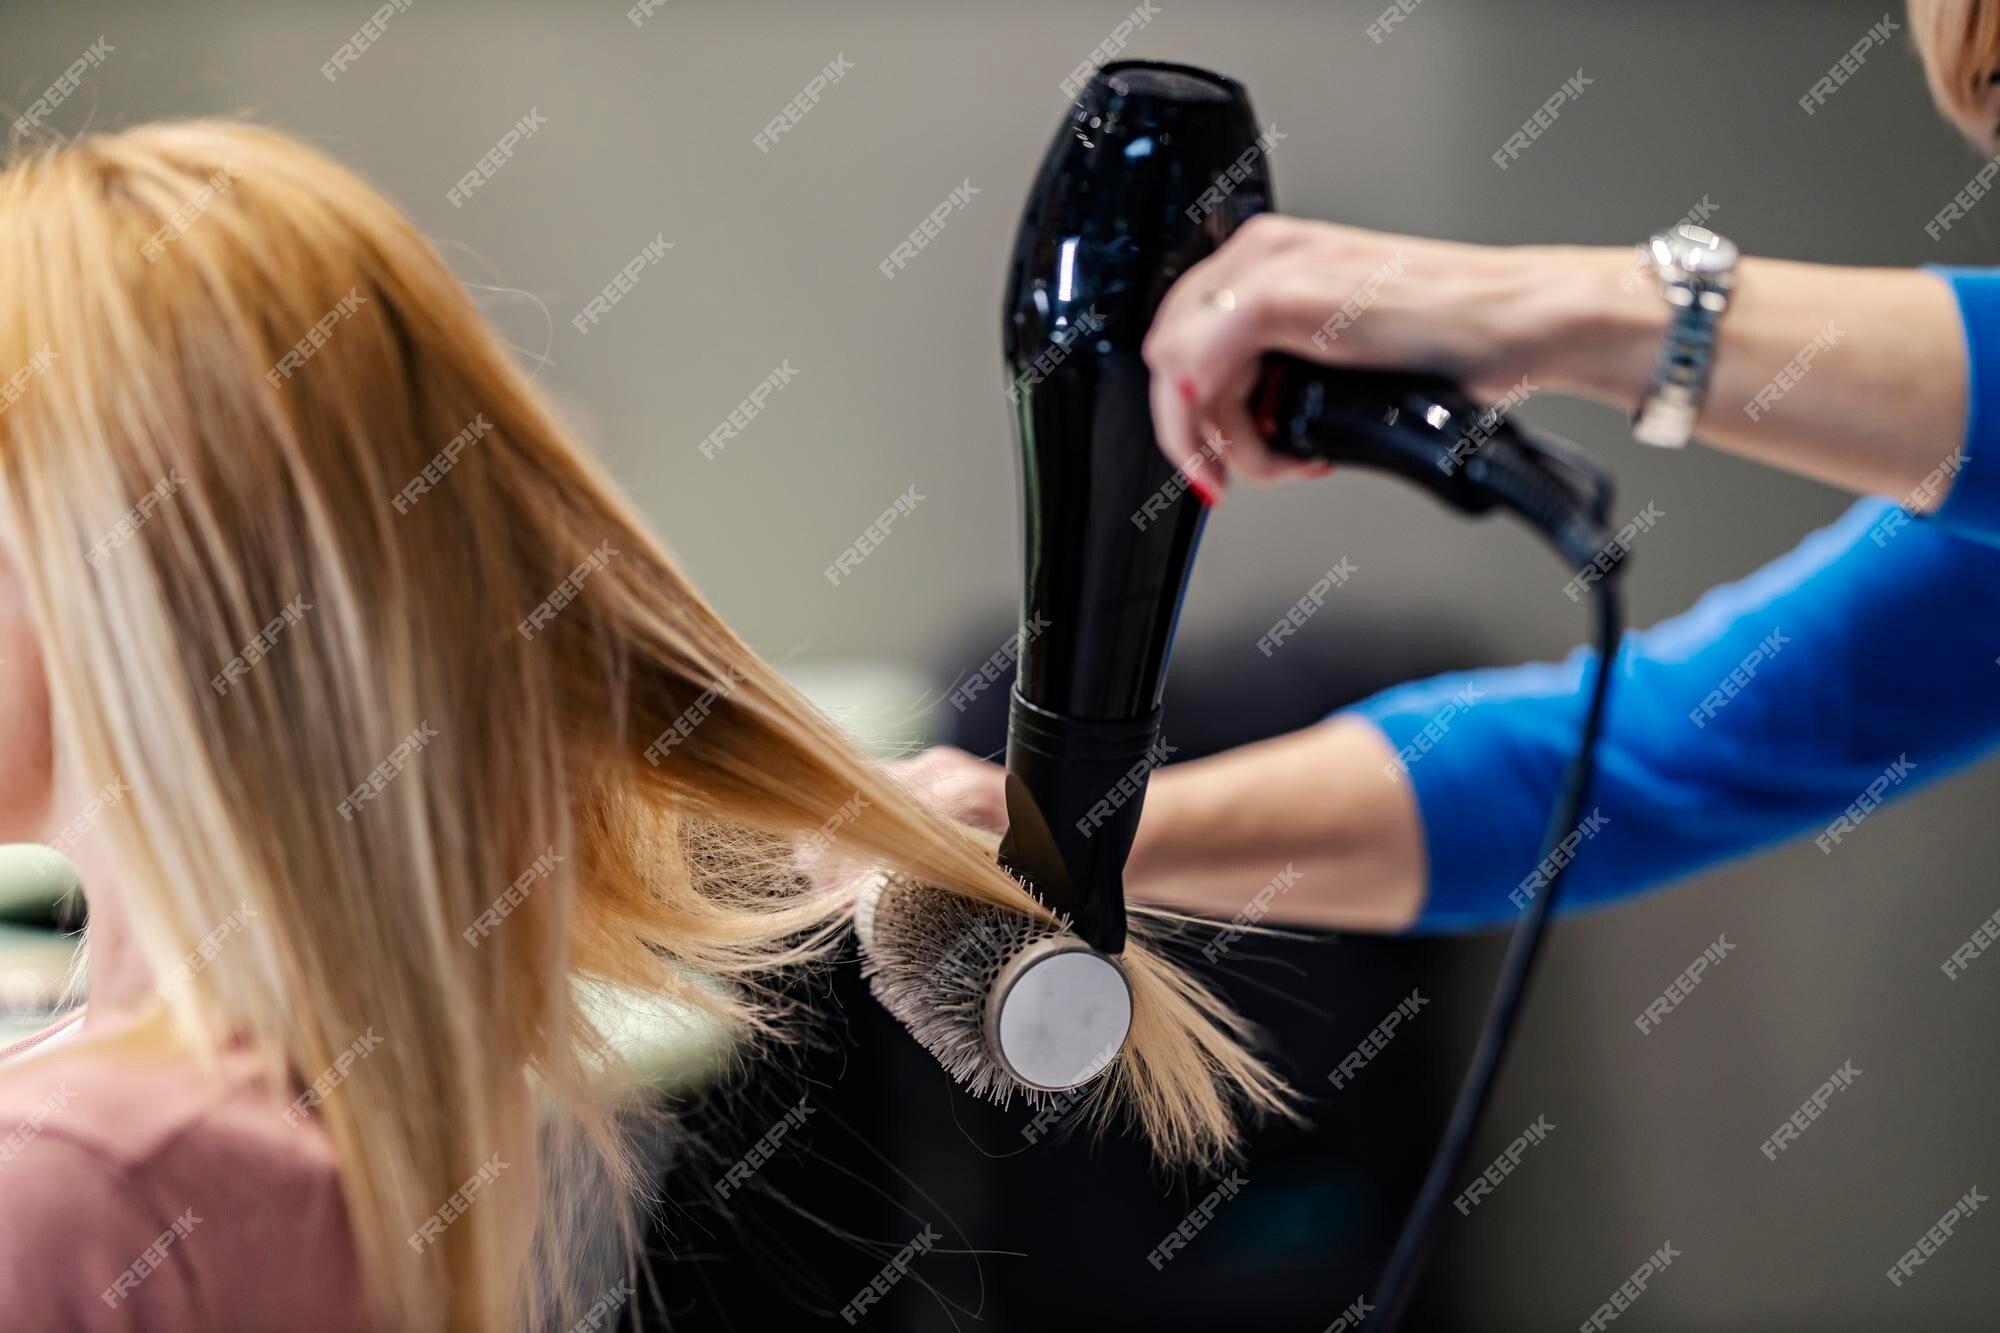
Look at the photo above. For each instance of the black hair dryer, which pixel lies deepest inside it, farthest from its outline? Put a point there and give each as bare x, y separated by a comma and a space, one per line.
1153, 169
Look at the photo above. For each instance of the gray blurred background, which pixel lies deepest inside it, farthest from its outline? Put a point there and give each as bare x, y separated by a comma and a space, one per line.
649, 131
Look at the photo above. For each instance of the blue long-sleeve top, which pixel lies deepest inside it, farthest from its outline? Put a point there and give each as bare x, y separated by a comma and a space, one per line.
1853, 670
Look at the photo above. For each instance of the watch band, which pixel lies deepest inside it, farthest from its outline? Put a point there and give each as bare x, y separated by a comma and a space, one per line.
1679, 386
1697, 270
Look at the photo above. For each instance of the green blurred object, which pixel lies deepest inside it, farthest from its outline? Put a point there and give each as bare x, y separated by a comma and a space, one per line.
884, 709
664, 1043
34, 958
34, 963
32, 879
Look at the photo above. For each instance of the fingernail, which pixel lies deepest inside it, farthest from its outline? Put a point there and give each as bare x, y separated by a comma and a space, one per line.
1189, 394
1266, 408
1208, 493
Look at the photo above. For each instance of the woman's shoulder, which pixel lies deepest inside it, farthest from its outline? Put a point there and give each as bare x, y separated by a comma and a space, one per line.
156, 1113
147, 1189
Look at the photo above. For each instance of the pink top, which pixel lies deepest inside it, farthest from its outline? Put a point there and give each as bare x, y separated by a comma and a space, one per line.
147, 1196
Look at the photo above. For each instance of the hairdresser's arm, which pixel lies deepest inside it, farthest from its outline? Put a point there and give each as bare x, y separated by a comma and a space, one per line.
1326, 803
1324, 812
1880, 408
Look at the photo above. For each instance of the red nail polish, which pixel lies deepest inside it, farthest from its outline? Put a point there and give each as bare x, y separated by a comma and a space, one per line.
1203, 491
1189, 394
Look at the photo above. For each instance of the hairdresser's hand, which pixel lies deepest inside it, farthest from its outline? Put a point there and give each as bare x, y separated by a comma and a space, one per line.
958, 786
1337, 295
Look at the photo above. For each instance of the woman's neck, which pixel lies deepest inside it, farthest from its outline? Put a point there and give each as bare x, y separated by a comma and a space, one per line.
120, 980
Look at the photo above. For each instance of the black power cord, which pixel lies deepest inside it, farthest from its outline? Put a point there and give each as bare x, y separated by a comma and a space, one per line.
1420, 1227
1477, 460
1575, 525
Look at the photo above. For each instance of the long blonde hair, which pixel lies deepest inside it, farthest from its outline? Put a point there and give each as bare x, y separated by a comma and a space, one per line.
1960, 44
352, 713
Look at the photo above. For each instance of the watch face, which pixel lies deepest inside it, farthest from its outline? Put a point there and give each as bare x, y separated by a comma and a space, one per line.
1698, 251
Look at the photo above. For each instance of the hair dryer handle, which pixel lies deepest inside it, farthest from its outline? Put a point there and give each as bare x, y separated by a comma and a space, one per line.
1424, 428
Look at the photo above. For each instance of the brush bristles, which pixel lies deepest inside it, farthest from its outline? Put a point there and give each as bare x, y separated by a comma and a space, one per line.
931, 959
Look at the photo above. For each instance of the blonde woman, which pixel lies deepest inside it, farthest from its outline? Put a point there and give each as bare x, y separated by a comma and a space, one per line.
374, 721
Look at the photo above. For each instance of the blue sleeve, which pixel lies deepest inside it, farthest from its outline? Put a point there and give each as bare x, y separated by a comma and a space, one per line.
1971, 506
1857, 668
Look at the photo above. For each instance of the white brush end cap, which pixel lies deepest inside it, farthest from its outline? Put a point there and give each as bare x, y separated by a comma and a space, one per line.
1059, 1014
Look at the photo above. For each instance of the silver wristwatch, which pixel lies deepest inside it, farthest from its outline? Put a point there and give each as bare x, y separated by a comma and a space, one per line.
1697, 270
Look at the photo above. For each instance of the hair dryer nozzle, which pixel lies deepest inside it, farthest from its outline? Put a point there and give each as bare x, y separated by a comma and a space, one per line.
1074, 791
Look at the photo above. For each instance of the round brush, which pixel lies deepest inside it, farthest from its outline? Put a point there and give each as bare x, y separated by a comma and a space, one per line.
1006, 1002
